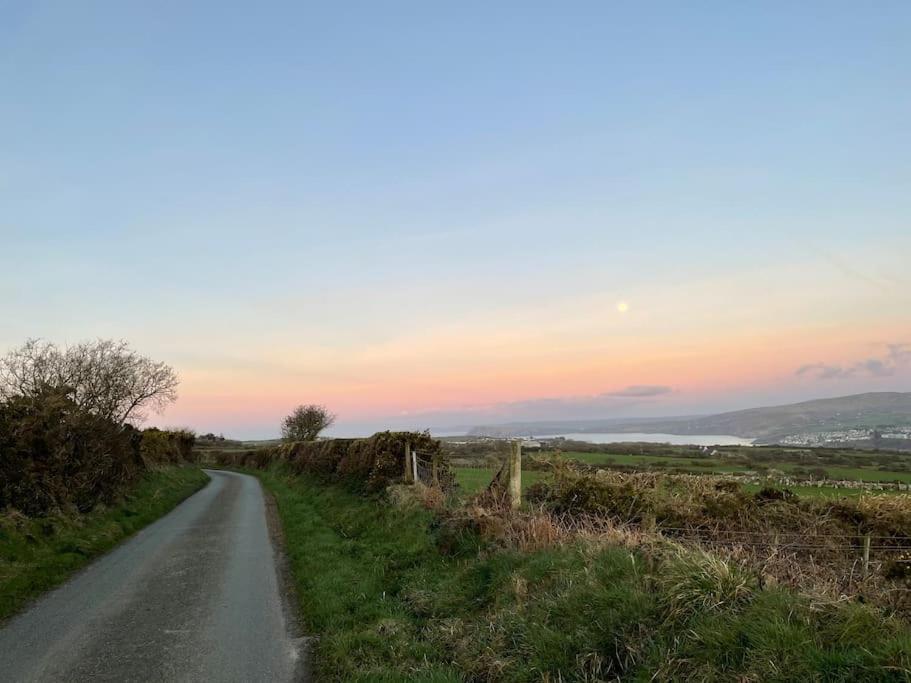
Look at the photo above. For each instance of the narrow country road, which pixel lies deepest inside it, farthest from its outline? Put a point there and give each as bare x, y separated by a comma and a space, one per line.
193, 597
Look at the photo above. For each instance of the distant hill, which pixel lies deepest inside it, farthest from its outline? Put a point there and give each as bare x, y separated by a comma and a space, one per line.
765, 424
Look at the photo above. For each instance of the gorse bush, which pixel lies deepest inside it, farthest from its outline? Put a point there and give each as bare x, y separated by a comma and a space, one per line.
55, 454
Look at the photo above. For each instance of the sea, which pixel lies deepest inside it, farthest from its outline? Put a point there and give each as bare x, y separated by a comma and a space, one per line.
674, 439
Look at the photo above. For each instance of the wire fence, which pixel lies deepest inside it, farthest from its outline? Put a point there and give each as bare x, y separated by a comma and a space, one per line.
791, 540
807, 541
424, 470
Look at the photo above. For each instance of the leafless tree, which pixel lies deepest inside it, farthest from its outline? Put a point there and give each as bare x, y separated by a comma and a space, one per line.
306, 423
105, 377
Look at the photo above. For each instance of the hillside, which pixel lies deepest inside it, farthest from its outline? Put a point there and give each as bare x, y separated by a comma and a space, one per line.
766, 423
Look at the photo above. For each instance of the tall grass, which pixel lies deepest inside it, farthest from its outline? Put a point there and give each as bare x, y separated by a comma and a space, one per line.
394, 594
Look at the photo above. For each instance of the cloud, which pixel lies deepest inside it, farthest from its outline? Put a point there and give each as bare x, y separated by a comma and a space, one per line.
897, 356
607, 400
823, 371
628, 401
900, 354
640, 391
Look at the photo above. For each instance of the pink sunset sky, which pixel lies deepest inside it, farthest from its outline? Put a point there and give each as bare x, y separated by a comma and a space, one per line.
463, 214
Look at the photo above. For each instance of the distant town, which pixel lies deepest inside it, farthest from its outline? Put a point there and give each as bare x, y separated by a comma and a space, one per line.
883, 437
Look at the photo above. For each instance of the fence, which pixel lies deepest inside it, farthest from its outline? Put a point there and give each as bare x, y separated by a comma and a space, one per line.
862, 546
423, 467
868, 550
426, 467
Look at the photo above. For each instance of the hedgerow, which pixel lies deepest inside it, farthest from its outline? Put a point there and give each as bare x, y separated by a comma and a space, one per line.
55, 455
369, 464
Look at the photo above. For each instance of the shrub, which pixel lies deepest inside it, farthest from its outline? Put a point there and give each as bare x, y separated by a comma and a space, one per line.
57, 454
158, 446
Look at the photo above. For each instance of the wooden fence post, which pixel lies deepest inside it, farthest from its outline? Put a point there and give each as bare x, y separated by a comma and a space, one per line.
649, 522
436, 469
414, 467
409, 470
866, 553
515, 474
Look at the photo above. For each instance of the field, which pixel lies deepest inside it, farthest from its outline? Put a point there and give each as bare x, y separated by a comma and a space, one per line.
474, 479
475, 464
714, 465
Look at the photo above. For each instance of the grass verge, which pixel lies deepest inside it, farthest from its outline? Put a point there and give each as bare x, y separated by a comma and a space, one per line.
389, 605
37, 554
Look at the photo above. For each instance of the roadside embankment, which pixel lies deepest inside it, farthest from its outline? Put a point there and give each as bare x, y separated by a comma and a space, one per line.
462, 592
39, 552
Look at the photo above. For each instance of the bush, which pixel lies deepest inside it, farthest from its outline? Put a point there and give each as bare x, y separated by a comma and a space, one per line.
159, 446
56, 454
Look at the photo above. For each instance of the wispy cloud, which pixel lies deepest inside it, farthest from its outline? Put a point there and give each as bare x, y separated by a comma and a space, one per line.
896, 357
622, 402
640, 391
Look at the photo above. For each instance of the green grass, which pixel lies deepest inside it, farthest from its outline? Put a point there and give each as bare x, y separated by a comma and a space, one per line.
37, 554
475, 479
715, 465
387, 604
632, 459
864, 474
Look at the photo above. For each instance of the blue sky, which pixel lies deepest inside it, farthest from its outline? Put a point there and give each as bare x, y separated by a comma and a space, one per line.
260, 193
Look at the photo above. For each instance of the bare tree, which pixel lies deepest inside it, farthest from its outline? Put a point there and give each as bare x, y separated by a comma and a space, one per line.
105, 377
306, 423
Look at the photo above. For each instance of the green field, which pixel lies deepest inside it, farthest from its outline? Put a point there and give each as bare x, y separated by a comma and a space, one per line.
475, 479
717, 465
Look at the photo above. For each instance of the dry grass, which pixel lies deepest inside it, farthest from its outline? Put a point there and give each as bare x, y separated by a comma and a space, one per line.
479, 592
811, 558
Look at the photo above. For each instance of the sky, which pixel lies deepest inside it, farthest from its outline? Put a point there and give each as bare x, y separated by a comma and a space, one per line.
435, 214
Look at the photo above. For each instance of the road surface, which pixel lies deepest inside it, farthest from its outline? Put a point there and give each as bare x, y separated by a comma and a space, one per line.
193, 597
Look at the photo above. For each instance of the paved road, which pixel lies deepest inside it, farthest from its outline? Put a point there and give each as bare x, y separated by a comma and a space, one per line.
193, 597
